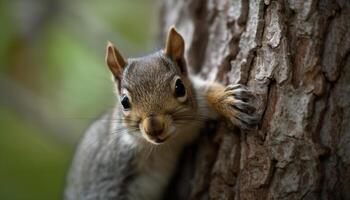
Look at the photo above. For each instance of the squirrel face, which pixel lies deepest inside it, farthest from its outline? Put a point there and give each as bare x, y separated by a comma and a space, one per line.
155, 93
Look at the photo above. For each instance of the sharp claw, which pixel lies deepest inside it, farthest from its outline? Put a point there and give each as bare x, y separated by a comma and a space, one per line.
243, 95
239, 91
247, 121
233, 87
244, 107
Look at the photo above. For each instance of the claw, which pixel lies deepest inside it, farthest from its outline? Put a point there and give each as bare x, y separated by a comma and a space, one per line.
243, 95
239, 91
244, 107
234, 86
237, 97
246, 121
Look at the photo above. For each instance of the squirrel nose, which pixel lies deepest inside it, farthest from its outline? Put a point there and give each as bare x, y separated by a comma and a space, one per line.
153, 125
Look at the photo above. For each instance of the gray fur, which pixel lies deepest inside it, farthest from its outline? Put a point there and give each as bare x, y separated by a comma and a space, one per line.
148, 80
101, 169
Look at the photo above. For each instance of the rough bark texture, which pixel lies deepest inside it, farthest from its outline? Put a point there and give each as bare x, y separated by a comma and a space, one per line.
295, 55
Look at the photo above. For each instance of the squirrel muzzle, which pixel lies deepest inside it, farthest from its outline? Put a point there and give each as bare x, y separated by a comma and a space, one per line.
153, 126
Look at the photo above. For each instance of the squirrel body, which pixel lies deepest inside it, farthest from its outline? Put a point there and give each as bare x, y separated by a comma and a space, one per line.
132, 152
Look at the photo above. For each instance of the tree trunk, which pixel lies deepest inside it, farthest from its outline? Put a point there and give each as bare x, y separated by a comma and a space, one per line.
295, 55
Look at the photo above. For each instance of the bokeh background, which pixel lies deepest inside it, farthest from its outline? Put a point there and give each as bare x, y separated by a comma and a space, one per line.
54, 82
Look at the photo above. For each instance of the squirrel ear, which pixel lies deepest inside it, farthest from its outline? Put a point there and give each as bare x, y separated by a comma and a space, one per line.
115, 60
175, 49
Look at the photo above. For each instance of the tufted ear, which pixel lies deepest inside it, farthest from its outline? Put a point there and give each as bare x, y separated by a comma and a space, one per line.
175, 49
115, 61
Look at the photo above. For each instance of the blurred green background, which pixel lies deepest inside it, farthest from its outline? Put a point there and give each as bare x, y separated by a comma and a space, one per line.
54, 82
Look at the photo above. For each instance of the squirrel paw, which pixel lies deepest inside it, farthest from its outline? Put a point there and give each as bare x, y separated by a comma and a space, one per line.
238, 103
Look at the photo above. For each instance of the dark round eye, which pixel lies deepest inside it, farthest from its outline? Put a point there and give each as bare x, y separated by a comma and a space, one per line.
125, 102
180, 90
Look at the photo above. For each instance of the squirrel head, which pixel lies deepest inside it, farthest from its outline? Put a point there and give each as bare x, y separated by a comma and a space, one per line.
155, 93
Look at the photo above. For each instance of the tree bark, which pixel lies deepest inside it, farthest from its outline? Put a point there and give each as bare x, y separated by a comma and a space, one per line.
295, 55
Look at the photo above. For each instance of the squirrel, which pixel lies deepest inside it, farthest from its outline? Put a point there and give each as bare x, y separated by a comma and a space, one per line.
132, 151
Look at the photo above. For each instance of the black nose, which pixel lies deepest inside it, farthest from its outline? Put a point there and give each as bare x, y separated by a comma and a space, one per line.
153, 126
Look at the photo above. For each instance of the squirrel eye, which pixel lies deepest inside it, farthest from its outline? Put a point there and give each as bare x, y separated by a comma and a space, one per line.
180, 90
125, 102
